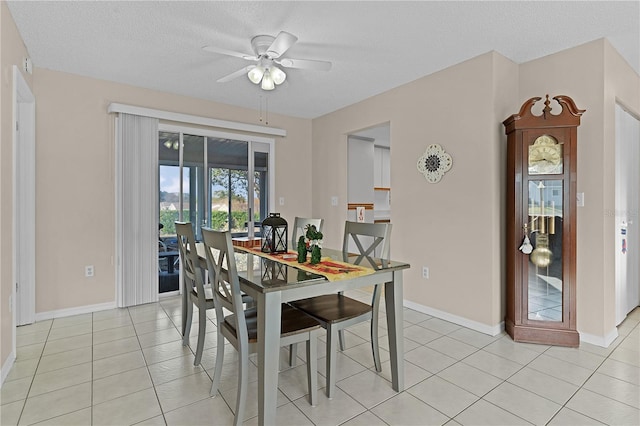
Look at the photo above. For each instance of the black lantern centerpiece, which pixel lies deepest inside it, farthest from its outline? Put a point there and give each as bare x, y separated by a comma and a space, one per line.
274, 234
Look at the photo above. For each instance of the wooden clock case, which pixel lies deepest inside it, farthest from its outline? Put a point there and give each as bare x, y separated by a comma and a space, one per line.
541, 204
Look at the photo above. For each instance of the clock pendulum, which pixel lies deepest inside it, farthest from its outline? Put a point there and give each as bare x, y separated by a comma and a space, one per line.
541, 255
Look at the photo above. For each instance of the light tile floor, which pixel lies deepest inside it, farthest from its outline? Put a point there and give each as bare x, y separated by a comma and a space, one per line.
128, 366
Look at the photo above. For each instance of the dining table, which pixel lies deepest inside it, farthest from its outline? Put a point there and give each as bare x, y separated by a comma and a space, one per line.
271, 283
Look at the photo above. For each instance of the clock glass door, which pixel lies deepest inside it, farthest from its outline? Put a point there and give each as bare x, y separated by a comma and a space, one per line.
544, 267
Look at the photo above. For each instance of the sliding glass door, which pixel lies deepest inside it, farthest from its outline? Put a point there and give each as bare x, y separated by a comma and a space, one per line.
228, 185
211, 179
215, 180
260, 185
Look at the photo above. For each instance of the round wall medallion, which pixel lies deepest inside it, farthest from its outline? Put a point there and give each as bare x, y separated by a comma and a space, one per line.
434, 163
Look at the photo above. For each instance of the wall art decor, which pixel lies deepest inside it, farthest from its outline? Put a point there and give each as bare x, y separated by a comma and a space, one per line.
434, 163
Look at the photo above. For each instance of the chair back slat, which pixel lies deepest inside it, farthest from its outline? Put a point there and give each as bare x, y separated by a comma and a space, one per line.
367, 237
192, 273
299, 225
223, 275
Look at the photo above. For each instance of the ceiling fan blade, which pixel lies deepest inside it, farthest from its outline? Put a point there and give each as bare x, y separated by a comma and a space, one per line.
236, 74
281, 44
305, 64
214, 49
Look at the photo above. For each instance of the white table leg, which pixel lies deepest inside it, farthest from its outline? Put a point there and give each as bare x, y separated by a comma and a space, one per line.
269, 318
395, 318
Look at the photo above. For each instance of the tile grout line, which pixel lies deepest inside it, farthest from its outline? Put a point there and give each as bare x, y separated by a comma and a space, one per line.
481, 398
146, 364
92, 368
33, 378
591, 375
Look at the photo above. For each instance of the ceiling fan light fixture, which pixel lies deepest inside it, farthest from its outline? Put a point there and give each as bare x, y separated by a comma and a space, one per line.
277, 74
171, 145
268, 52
256, 74
267, 81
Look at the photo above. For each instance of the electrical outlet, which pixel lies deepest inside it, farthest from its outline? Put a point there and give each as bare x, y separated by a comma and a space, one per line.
282, 201
334, 201
88, 271
580, 199
425, 272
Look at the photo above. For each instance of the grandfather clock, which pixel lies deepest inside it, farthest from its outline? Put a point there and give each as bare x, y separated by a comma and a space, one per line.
541, 223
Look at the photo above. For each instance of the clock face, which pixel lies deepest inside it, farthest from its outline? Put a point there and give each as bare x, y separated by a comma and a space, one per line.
545, 156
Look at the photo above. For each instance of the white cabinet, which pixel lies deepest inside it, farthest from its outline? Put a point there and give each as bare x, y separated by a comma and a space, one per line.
361, 163
382, 183
377, 167
381, 167
369, 179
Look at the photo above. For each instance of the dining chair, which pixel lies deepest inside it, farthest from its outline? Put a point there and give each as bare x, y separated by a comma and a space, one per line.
240, 328
299, 228
198, 293
335, 312
161, 246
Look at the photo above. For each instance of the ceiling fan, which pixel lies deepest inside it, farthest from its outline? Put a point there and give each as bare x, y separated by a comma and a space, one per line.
268, 54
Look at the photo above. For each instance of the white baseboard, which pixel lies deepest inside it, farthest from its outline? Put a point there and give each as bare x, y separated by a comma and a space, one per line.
6, 367
42, 316
465, 322
603, 341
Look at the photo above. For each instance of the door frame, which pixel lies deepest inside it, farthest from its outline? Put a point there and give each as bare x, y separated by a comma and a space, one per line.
24, 212
627, 219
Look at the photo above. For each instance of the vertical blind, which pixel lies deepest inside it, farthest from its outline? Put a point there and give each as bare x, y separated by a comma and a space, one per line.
136, 205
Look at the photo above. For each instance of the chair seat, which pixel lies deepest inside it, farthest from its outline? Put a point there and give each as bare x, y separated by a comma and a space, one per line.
293, 321
332, 308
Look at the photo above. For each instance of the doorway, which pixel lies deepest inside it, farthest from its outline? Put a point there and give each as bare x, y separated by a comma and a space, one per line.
627, 255
24, 201
369, 173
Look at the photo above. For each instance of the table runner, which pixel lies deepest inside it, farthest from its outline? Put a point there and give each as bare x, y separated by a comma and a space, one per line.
332, 270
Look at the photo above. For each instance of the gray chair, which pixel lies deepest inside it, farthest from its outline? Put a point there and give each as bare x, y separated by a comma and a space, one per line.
197, 292
241, 327
299, 225
336, 311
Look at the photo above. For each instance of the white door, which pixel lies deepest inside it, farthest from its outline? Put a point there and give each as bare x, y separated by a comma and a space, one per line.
627, 255
24, 190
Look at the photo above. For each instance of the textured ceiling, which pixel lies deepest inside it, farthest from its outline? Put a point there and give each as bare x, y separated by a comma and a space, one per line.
374, 46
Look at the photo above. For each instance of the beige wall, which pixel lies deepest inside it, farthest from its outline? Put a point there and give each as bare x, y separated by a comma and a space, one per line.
594, 75
453, 227
75, 182
456, 226
12, 52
